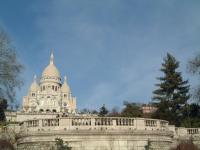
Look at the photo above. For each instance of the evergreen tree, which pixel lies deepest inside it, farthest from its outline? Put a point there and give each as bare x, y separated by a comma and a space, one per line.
103, 111
193, 119
172, 94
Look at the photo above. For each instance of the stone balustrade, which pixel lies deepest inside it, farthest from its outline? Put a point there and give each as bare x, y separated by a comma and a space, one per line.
108, 123
81, 123
97, 132
193, 131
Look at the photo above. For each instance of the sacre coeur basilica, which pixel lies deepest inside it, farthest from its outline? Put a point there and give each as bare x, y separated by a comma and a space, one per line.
49, 94
49, 111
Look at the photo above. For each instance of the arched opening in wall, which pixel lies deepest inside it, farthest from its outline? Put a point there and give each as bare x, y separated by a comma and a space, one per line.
55, 88
41, 110
65, 110
54, 110
47, 110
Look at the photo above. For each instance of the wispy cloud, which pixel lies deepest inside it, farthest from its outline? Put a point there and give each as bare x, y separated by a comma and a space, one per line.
111, 51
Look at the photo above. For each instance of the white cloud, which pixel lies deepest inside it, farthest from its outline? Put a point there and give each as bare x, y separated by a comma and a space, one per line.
114, 53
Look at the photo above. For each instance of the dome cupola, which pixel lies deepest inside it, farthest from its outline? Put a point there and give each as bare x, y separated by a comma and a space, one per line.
65, 87
34, 86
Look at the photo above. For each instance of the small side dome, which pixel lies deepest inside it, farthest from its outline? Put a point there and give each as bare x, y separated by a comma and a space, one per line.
65, 87
34, 86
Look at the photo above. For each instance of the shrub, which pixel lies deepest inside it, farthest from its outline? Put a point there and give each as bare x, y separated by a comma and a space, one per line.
186, 145
60, 145
6, 145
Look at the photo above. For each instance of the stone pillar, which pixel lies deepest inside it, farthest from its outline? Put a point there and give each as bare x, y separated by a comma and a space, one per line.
65, 122
40, 123
139, 123
158, 124
93, 122
114, 122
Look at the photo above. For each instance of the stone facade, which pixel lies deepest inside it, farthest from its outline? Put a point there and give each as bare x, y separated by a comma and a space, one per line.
49, 95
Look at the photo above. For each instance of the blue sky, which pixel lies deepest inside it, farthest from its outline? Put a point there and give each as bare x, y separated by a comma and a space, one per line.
110, 50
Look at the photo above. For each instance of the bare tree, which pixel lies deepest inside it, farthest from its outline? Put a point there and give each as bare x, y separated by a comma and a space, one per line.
10, 69
194, 68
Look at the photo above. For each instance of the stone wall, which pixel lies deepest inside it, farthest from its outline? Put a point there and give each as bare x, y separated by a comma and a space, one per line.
100, 140
96, 133
101, 133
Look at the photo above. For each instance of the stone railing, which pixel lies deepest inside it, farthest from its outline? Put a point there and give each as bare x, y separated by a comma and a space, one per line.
104, 123
184, 132
94, 123
193, 130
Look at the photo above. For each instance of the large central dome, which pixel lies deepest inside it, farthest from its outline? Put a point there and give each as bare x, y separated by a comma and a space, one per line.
51, 73
51, 70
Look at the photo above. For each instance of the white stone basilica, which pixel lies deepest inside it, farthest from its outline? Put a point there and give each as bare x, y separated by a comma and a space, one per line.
49, 95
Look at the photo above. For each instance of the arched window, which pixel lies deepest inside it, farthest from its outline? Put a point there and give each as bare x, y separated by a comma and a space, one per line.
52, 87
47, 110
55, 88
54, 110
41, 110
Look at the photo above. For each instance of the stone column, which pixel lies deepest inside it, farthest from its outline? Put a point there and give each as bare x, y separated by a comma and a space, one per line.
93, 122
114, 122
158, 124
40, 123
139, 123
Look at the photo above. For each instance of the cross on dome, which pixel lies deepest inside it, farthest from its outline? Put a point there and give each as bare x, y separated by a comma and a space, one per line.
65, 78
35, 78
